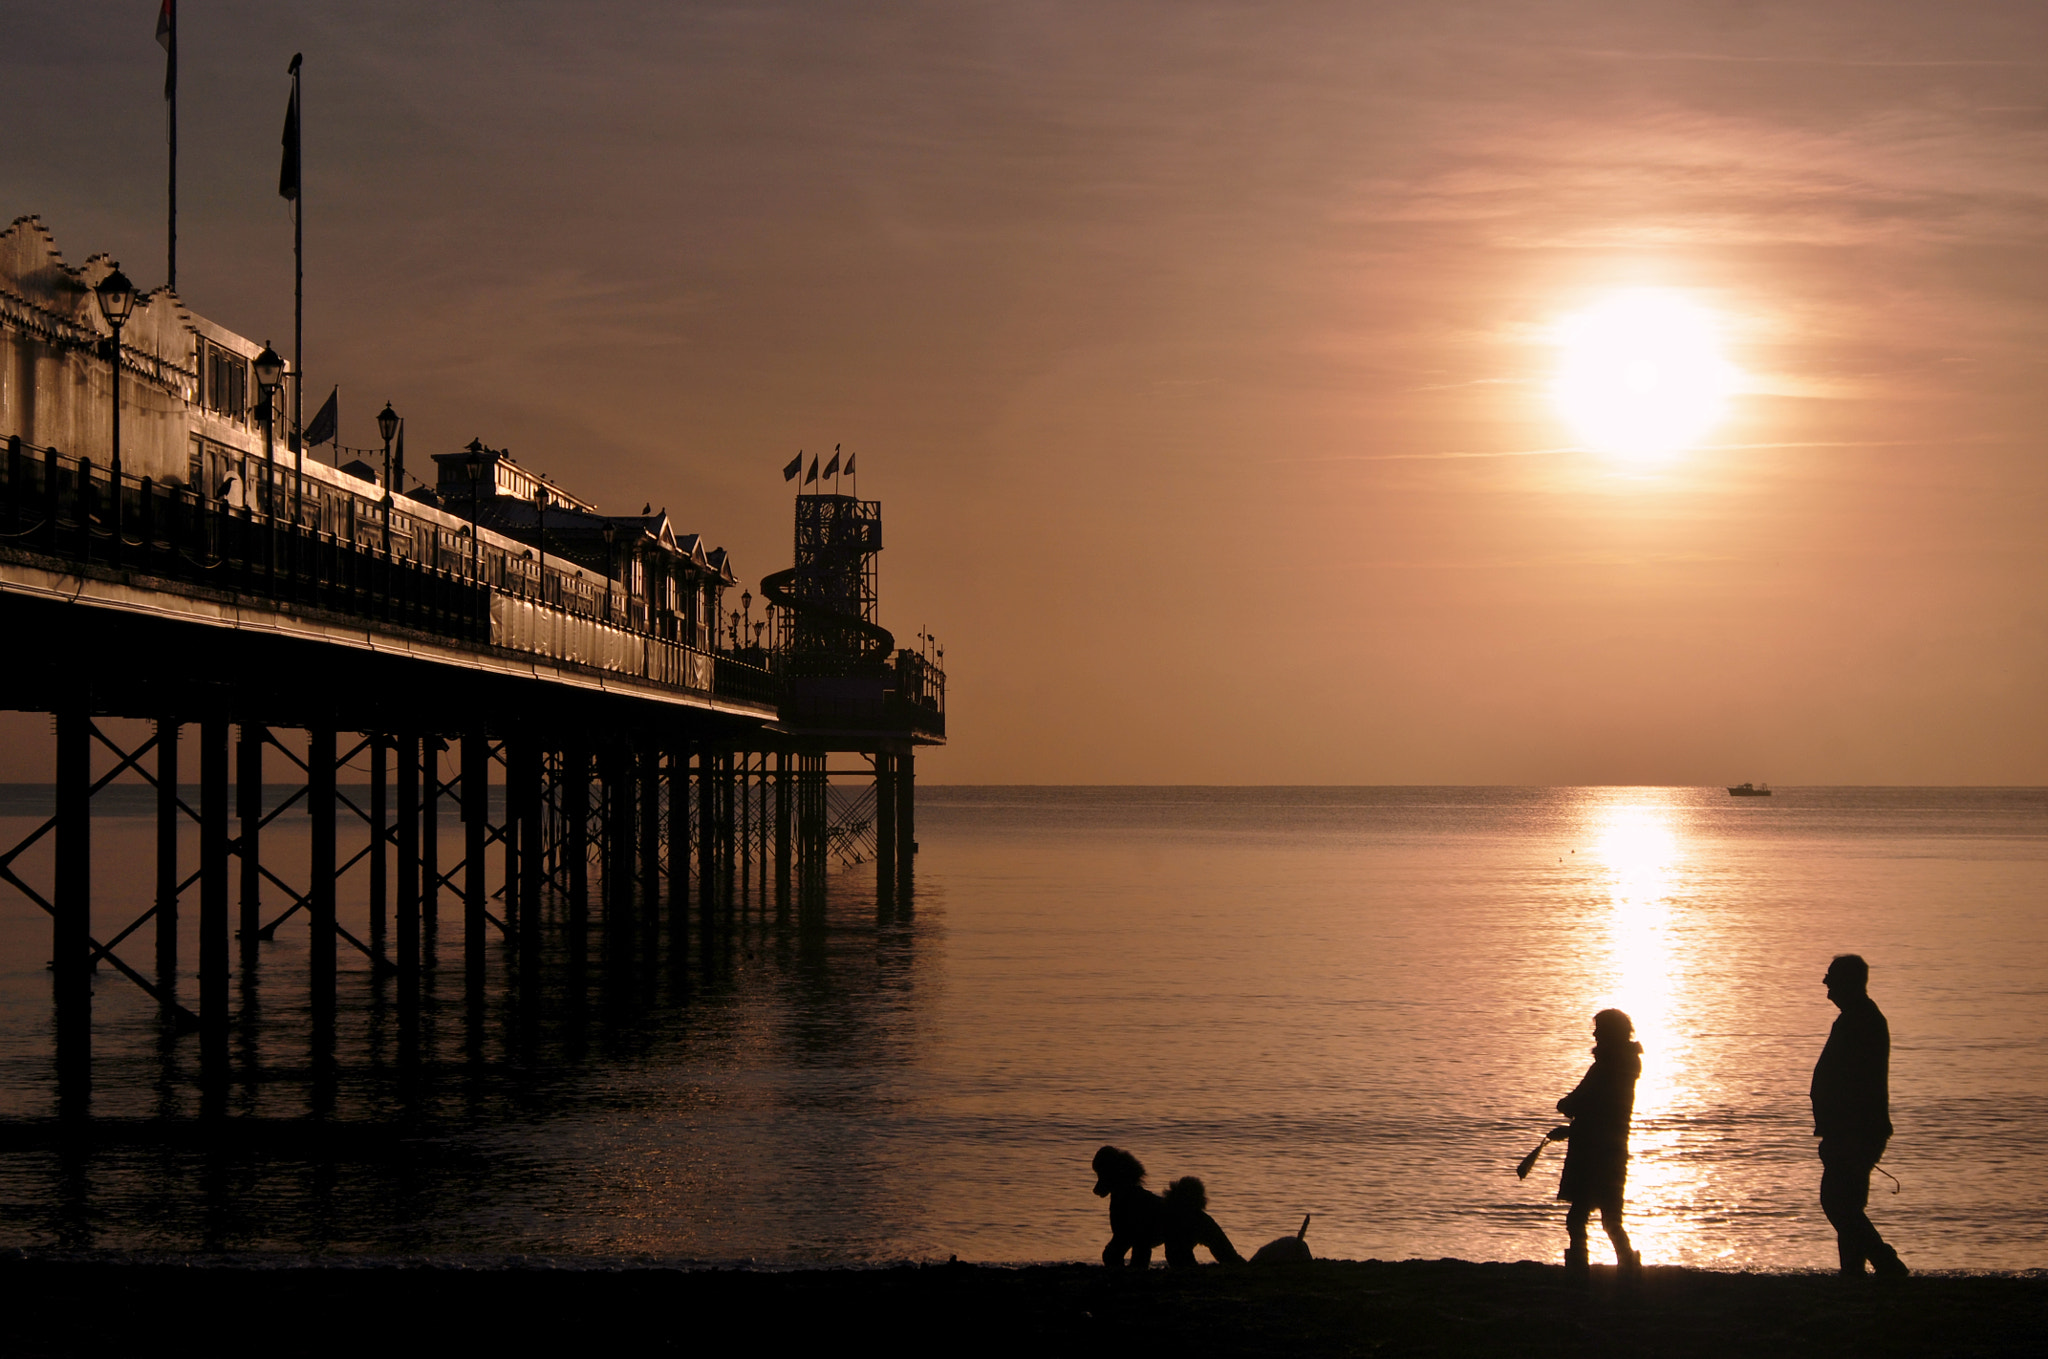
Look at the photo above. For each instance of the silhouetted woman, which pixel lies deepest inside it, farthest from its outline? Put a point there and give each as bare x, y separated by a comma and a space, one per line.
1596, 1163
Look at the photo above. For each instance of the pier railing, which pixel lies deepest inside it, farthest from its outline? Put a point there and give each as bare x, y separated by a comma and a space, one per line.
63, 507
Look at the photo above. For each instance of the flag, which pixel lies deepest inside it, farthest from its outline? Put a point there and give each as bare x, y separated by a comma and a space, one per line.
796, 465
288, 172
329, 415
832, 467
167, 38
849, 463
814, 472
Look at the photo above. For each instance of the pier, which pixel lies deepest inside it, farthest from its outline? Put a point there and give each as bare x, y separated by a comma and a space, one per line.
626, 750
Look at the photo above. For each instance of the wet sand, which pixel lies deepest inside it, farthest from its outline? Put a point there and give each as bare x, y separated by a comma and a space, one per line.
76, 1305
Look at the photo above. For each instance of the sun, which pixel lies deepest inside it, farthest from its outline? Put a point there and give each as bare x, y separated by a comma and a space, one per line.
1641, 376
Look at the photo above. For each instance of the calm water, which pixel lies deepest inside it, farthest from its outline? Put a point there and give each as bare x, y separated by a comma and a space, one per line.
1360, 1003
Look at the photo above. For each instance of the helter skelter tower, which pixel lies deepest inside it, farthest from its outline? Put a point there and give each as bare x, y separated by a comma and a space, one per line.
831, 591
849, 688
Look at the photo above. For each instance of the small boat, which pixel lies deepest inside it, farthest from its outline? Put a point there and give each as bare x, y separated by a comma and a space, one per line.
1750, 790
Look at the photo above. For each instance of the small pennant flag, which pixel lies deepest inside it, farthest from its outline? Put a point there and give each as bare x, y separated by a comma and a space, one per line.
849, 463
167, 38
832, 467
288, 172
794, 466
814, 472
322, 427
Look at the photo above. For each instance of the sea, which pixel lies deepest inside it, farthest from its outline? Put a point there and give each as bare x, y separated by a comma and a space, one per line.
1357, 1006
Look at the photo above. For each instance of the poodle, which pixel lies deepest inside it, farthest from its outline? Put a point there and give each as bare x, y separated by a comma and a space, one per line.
1140, 1219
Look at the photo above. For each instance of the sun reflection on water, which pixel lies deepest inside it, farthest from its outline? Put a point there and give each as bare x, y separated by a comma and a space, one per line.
1639, 854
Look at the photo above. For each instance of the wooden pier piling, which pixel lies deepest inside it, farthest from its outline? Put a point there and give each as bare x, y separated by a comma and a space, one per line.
167, 813
71, 959
213, 895
576, 827
431, 747
650, 831
409, 812
906, 821
249, 807
707, 829
380, 776
784, 805
476, 829
678, 781
320, 806
885, 827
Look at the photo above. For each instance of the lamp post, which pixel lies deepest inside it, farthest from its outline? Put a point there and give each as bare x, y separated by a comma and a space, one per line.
387, 425
117, 300
473, 468
269, 366
609, 534
735, 629
540, 520
747, 606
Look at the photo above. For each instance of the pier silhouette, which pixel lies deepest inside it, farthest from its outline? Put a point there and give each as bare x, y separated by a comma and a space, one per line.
620, 746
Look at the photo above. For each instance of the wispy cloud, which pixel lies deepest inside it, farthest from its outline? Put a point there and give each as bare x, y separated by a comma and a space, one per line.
1797, 59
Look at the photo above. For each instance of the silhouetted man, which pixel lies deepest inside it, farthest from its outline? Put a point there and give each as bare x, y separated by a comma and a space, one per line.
1852, 1116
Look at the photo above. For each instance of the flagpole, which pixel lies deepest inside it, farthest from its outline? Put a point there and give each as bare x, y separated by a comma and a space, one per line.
299, 309
171, 93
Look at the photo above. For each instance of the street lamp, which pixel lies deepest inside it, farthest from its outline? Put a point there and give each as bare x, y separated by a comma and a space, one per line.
387, 425
540, 519
473, 468
269, 366
609, 534
117, 300
735, 629
747, 603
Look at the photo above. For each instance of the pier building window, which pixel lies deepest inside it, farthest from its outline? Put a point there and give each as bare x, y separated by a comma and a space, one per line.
224, 381
210, 467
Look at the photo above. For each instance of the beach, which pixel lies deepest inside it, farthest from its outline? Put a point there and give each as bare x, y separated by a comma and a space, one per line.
315, 1306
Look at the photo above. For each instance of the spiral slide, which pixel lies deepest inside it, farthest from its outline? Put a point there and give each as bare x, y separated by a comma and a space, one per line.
775, 588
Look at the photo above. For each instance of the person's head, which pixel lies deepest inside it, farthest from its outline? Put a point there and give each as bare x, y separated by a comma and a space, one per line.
1848, 977
1613, 1026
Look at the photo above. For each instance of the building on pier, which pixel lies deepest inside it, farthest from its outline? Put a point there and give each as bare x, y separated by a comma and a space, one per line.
188, 398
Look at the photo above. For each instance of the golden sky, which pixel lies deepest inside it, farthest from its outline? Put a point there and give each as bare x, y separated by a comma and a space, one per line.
1200, 354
